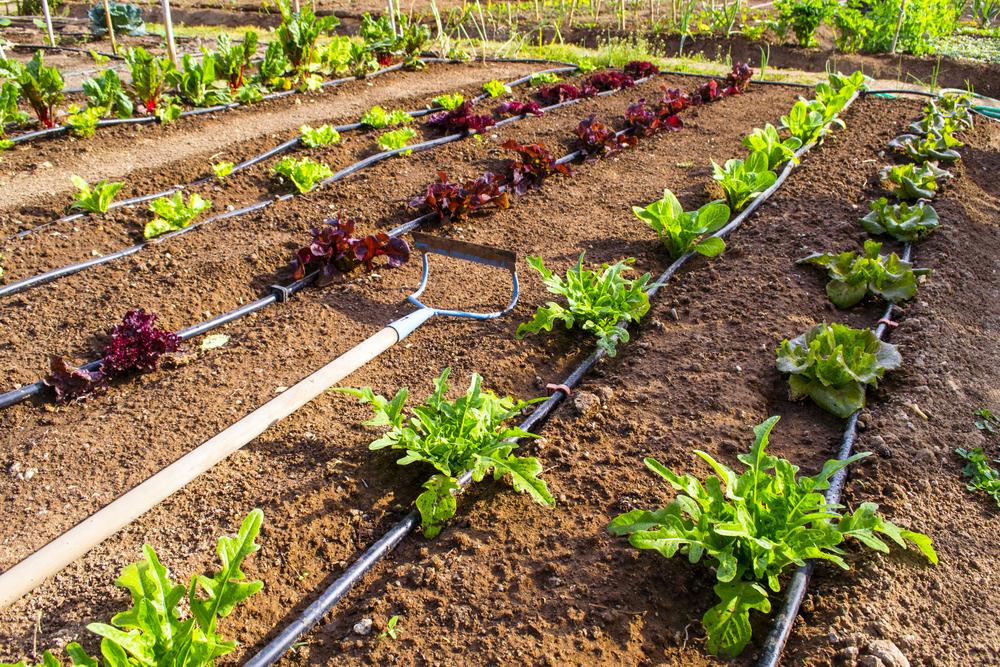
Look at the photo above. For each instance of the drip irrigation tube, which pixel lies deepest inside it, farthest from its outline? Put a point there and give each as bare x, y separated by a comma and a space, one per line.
72, 49
991, 111
782, 629
330, 596
70, 269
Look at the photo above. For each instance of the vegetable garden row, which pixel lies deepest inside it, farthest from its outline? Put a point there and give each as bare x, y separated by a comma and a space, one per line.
470, 432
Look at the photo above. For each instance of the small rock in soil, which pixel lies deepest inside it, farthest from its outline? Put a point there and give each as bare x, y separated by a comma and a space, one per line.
586, 403
886, 654
363, 627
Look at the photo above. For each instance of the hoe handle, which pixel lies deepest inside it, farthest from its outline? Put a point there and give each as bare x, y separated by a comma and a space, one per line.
24, 577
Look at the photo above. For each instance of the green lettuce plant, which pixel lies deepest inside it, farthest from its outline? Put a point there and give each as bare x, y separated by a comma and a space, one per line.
172, 213
743, 180
833, 363
602, 303
854, 275
682, 231
910, 181
83, 122
304, 173
96, 198
449, 102
324, 135
396, 139
495, 88
750, 527
769, 142
903, 222
455, 436
378, 118
932, 146
223, 169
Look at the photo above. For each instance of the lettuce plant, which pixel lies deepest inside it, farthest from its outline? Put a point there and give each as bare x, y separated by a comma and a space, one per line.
448, 102
83, 122
738, 80
640, 69
806, 120
378, 118
396, 139
598, 140
832, 364
932, 146
335, 250
563, 92
516, 108
10, 114
641, 120
534, 164
108, 92
454, 436
767, 140
600, 302
496, 88
273, 68
172, 213
96, 198
411, 41
324, 135
750, 527
982, 476
542, 78
682, 231
223, 169
910, 181
610, 80
853, 275
43, 88
149, 76
460, 119
455, 201
743, 180
304, 173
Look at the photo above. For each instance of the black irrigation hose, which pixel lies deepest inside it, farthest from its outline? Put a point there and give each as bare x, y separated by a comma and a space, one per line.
312, 614
73, 49
797, 585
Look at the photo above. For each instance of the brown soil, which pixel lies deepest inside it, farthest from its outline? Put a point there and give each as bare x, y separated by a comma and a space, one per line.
509, 582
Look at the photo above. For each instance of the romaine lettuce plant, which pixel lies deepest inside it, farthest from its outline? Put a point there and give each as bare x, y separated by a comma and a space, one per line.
496, 88
455, 201
832, 364
534, 164
910, 181
396, 139
378, 118
769, 142
94, 199
806, 119
172, 213
304, 173
335, 251
682, 231
853, 275
743, 180
751, 526
43, 88
454, 436
324, 135
600, 302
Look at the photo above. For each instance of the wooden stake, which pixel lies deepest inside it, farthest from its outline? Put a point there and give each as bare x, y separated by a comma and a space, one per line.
899, 25
168, 24
111, 27
48, 22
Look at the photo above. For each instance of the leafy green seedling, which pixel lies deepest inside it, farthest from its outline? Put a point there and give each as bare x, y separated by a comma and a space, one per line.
96, 198
682, 231
855, 275
987, 421
750, 527
495, 88
324, 135
982, 476
396, 139
903, 222
172, 213
390, 631
223, 169
304, 174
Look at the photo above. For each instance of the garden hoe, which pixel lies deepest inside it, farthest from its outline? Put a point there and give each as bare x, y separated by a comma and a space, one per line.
63, 550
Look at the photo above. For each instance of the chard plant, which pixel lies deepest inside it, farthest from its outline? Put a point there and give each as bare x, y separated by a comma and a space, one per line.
324, 135
304, 173
43, 88
378, 118
749, 527
496, 88
682, 231
854, 275
196, 82
744, 180
173, 213
910, 182
273, 68
455, 436
233, 60
149, 76
250, 93
982, 476
396, 139
298, 34
96, 198
833, 363
10, 114
108, 92
602, 303
449, 102
769, 142
903, 222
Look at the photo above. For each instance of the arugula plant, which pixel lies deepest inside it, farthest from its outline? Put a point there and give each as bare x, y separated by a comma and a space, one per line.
43, 88
197, 84
172, 213
833, 363
449, 102
769, 142
910, 182
304, 173
903, 222
682, 231
149, 76
96, 198
749, 527
378, 118
495, 88
600, 302
396, 139
108, 91
324, 135
854, 275
982, 476
743, 180
455, 436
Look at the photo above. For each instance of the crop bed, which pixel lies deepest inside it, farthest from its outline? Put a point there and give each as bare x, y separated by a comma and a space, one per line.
506, 579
